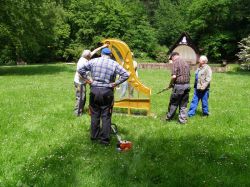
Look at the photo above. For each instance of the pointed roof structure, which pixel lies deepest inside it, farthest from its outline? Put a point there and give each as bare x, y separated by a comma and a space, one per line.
187, 49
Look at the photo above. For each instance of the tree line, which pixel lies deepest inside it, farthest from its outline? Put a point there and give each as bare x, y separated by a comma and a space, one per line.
58, 30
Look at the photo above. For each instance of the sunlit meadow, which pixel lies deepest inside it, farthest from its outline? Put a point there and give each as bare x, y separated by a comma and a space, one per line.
43, 144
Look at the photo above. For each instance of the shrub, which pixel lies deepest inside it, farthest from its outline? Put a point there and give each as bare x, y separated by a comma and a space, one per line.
160, 54
244, 54
73, 52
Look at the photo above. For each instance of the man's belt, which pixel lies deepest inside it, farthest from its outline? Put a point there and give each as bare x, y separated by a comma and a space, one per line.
183, 83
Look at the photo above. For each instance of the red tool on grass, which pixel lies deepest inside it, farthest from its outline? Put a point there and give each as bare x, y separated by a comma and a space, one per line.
122, 145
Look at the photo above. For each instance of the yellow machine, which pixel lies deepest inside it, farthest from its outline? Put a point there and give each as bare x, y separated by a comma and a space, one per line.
123, 56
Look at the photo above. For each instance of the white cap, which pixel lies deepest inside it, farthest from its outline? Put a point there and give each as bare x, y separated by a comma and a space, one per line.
86, 53
203, 58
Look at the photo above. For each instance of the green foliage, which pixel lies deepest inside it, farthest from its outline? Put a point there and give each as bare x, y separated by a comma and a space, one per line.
92, 21
44, 144
38, 31
61, 33
161, 54
216, 46
217, 25
72, 51
170, 20
28, 28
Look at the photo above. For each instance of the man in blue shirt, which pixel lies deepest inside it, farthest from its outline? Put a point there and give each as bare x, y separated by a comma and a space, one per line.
103, 72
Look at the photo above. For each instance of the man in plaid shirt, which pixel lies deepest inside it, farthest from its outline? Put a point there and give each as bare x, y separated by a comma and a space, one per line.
103, 72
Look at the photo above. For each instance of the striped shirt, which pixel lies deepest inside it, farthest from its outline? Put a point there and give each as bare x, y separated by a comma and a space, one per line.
104, 71
182, 71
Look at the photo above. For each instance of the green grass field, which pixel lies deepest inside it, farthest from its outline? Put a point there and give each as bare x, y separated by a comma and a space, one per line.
43, 144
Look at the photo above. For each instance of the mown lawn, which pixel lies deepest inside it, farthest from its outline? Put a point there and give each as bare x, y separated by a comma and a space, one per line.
43, 144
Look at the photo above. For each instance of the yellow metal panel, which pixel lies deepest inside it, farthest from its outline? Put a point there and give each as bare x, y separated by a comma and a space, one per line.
123, 56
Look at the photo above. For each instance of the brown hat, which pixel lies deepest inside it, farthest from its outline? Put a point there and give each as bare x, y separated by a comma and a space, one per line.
173, 54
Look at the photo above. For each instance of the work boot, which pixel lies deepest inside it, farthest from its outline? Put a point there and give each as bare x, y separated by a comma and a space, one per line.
205, 115
182, 123
106, 143
167, 118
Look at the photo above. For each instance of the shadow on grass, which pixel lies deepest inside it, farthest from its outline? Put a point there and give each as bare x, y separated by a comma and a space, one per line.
184, 161
187, 161
34, 70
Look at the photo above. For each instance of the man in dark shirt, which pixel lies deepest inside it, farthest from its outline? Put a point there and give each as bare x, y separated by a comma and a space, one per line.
180, 79
103, 72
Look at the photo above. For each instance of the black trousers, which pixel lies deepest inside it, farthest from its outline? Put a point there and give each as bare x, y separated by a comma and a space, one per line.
179, 98
101, 105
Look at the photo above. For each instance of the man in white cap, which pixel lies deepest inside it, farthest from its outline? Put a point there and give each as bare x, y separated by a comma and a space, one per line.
80, 84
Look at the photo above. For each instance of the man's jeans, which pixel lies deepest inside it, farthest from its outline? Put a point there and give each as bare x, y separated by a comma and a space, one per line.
124, 87
199, 95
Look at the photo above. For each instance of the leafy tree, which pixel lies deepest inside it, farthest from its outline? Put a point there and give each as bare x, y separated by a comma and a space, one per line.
37, 31
217, 25
91, 21
27, 30
61, 33
151, 7
170, 20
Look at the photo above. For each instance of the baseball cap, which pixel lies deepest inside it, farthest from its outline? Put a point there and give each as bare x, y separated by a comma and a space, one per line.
173, 54
106, 51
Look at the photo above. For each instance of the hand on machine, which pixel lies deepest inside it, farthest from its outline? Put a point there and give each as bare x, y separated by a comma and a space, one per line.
163, 90
122, 145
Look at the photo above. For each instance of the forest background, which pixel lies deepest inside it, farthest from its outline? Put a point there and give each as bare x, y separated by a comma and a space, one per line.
33, 31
